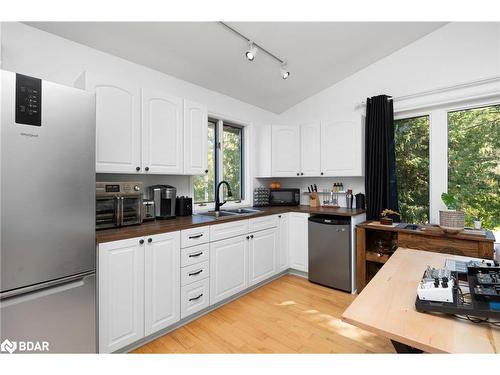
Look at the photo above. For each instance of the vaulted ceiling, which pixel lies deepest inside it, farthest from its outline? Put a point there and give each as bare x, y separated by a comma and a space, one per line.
318, 54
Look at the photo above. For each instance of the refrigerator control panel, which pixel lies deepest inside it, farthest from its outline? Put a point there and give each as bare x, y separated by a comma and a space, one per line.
28, 100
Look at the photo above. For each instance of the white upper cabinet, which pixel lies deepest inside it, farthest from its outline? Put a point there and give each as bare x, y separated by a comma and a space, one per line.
285, 151
310, 149
195, 138
341, 148
118, 124
162, 281
161, 133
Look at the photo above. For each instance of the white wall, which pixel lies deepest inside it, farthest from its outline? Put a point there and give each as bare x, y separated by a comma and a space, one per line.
34, 52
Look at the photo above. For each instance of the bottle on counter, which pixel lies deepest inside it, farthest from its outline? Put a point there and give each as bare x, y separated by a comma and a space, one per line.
349, 198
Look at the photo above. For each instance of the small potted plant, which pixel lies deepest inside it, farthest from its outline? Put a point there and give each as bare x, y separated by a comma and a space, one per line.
451, 220
385, 218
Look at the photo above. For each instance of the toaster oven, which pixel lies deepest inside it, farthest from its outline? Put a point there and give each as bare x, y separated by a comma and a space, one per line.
118, 204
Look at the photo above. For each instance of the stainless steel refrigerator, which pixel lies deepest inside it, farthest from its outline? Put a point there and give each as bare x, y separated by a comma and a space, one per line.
47, 254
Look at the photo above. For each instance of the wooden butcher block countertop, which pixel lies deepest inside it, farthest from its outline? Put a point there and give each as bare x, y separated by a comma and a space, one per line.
185, 222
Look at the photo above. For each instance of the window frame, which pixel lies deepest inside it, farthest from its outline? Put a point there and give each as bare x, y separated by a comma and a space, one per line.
246, 187
438, 143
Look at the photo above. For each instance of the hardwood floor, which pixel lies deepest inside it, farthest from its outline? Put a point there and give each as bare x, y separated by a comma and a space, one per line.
288, 315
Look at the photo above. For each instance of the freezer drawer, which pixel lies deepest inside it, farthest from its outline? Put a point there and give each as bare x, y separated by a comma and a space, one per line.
63, 315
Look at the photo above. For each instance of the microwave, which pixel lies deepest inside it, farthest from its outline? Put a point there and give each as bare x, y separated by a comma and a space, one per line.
284, 197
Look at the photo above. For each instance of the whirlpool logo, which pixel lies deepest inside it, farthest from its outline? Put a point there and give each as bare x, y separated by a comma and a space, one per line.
8, 346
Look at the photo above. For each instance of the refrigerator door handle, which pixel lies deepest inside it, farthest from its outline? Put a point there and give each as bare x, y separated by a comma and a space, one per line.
45, 289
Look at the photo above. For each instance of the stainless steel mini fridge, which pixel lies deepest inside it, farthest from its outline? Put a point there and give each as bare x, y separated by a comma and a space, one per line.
330, 251
47, 284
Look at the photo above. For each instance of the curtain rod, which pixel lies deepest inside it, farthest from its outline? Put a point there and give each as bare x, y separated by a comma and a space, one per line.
251, 41
441, 89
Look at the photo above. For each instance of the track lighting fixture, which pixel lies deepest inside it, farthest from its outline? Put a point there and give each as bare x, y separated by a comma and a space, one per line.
251, 52
284, 71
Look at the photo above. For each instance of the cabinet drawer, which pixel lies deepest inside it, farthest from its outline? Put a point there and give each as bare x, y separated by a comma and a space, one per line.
195, 272
195, 236
194, 254
195, 297
228, 230
261, 223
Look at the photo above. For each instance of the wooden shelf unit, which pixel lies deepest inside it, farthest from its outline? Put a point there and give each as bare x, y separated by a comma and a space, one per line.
370, 237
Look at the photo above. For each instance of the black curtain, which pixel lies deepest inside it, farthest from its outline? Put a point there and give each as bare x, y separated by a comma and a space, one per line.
380, 160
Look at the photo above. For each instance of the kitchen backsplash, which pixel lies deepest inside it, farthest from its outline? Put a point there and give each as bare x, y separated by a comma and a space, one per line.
357, 184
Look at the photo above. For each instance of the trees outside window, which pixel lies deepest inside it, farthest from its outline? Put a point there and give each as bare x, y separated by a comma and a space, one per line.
412, 168
474, 163
204, 186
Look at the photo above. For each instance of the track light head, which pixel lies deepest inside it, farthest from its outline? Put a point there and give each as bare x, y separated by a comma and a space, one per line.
284, 71
251, 52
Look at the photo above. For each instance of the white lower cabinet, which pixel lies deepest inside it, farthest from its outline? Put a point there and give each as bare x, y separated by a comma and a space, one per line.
162, 282
298, 241
262, 255
121, 294
139, 284
195, 297
228, 267
283, 260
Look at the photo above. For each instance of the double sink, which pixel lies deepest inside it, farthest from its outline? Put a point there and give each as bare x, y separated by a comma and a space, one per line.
235, 212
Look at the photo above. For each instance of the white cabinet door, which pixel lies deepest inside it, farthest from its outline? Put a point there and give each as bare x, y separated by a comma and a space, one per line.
341, 148
118, 124
283, 258
285, 151
262, 255
162, 281
162, 150
298, 241
195, 138
310, 149
121, 294
228, 267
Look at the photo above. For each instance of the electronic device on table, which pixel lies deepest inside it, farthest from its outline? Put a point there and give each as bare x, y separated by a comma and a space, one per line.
469, 290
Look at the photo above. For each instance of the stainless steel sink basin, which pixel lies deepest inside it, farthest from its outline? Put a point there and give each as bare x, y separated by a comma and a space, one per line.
238, 211
243, 211
217, 214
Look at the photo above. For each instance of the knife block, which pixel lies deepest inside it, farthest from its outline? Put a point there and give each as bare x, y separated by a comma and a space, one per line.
314, 200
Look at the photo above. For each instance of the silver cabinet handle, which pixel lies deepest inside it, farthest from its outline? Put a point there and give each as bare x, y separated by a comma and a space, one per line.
195, 255
196, 236
195, 273
195, 298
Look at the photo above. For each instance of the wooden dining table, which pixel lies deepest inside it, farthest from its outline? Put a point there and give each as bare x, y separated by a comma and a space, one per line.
386, 307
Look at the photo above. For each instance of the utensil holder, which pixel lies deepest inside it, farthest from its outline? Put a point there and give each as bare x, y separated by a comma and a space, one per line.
314, 200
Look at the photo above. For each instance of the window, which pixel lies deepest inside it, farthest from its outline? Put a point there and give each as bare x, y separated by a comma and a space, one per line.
474, 163
232, 170
204, 186
225, 162
412, 168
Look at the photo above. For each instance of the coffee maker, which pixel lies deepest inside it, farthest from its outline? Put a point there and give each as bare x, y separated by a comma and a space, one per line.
164, 200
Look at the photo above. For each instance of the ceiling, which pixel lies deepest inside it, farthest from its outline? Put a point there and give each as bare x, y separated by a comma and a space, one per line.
319, 54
